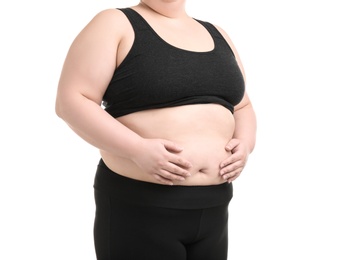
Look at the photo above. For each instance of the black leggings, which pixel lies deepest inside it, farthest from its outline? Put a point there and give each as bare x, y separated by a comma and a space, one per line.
137, 220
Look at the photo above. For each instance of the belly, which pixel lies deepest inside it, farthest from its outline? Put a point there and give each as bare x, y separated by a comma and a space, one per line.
203, 131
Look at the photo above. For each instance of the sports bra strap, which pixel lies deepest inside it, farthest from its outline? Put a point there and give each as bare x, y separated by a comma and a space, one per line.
135, 19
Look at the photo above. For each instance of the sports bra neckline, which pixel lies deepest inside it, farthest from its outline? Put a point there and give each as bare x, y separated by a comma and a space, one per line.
171, 45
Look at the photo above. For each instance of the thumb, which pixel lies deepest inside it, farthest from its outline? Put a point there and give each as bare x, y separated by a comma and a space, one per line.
171, 146
232, 144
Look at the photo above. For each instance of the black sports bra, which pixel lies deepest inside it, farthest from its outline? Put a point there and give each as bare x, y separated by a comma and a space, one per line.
155, 74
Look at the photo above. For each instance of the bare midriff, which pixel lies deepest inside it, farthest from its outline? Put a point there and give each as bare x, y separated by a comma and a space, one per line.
203, 130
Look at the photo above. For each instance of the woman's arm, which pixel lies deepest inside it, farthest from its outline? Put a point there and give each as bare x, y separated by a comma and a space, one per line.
245, 124
244, 137
87, 70
86, 73
243, 141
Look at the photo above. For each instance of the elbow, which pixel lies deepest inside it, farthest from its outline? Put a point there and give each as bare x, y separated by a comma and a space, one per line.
58, 108
64, 103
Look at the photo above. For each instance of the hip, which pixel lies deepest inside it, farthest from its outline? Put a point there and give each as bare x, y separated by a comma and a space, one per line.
144, 193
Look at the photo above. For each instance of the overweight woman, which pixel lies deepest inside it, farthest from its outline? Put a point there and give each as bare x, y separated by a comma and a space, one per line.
162, 96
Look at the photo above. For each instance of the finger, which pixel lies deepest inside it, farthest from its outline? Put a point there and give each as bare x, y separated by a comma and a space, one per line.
232, 144
231, 160
231, 176
231, 167
163, 180
171, 146
175, 170
169, 168
177, 160
228, 161
170, 175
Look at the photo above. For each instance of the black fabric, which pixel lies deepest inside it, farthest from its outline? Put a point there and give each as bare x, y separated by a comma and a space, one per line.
155, 74
159, 195
140, 230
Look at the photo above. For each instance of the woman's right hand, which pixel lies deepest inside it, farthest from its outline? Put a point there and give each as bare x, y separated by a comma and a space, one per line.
159, 158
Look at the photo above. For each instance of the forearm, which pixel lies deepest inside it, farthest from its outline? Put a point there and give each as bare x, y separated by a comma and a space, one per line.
246, 126
88, 120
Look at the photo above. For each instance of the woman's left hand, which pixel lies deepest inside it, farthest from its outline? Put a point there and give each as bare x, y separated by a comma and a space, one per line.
231, 167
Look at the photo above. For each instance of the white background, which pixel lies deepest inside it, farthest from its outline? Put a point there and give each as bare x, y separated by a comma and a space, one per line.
289, 202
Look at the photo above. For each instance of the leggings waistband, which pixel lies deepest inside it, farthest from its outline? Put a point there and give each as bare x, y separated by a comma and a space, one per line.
151, 194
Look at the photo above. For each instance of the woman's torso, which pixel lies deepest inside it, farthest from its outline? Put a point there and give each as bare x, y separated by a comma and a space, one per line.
203, 130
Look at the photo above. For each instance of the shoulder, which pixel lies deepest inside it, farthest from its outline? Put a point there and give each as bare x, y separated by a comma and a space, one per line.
108, 19
106, 29
225, 35
111, 14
